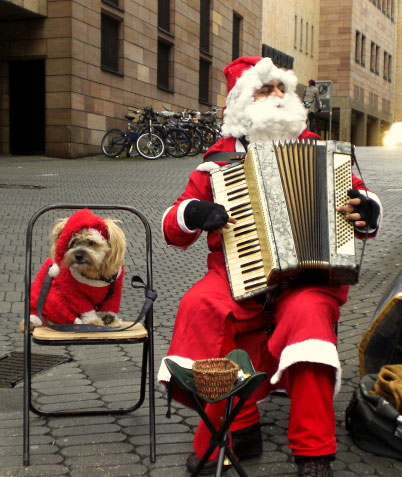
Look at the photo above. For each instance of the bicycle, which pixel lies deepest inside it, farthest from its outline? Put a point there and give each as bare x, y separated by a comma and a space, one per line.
185, 122
148, 144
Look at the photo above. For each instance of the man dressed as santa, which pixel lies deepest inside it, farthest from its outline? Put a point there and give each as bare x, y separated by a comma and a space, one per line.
300, 354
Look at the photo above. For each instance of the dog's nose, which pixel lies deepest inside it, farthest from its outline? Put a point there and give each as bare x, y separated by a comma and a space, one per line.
79, 255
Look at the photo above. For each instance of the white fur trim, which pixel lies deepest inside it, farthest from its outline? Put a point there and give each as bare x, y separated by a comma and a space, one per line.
311, 351
89, 281
89, 316
54, 270
164, 373
78, 321
208, 166
35, 320
180, 220
239, 146
180, 217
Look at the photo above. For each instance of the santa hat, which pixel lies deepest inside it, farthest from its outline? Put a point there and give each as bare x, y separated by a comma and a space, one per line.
245, 75
253, 72
82, 219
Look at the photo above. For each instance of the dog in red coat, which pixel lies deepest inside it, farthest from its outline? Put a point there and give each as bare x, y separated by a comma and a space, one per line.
86, 266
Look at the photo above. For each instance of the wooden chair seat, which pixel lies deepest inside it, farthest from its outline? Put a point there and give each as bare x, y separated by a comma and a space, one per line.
43, 333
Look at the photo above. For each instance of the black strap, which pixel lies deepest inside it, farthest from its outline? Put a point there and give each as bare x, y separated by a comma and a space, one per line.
150, 297
355, 163
244, 142
229, 157
109, 293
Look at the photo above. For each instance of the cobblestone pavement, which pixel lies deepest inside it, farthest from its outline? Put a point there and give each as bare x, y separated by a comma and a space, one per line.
102, 376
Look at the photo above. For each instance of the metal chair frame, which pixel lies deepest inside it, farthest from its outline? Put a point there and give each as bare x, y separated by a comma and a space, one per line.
148, 342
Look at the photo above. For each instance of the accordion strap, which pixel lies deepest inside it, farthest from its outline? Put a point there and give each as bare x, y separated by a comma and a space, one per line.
355, 163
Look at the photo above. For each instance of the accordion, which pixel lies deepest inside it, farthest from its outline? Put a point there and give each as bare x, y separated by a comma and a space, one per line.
284, 198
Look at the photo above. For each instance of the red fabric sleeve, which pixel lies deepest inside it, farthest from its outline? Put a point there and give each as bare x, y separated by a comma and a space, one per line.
198, 187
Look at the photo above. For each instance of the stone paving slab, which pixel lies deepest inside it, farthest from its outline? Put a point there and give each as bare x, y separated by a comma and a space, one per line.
104, 376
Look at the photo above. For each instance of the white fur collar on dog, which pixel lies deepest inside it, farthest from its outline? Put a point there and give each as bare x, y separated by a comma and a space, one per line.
88, 281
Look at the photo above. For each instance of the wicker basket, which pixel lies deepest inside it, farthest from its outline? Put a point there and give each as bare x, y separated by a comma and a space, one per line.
214, 376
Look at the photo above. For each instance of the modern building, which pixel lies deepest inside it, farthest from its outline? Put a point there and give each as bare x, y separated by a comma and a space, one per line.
69, 69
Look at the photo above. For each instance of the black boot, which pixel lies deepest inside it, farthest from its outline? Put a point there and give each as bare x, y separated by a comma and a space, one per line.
209, 467
315, 467
247, 442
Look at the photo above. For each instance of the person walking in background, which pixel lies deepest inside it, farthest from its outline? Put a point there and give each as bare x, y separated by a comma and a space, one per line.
311, 100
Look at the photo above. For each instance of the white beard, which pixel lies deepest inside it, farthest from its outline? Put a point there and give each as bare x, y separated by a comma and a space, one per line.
267, 119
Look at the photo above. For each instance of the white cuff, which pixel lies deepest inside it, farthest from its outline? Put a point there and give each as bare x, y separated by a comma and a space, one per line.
311, 351
180, 217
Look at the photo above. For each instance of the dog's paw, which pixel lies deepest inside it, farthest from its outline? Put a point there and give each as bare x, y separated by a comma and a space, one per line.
91, 318
34, 321
110, 319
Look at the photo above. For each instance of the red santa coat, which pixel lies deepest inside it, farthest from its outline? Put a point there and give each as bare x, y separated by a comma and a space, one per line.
207, 314
71, 295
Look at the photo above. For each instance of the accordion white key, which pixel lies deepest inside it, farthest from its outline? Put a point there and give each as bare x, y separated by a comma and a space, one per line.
284, 198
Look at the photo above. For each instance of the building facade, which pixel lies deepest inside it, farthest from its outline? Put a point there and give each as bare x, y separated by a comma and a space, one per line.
357, 52
69, 69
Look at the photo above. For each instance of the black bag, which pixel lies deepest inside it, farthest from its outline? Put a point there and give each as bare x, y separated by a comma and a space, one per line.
373, 423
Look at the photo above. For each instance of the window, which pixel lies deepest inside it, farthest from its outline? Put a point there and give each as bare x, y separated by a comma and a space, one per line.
115, 3
301, 34
389, 68
386, 105
312, 41
372, 57
385, 73
373, 101
204, 25
110, 43
164, 15
204, 75
306, 38
377, 60
237, 20
363, 51
358, 43
295, 33
163, 73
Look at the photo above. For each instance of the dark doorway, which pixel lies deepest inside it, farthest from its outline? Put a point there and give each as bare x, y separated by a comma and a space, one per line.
27, 107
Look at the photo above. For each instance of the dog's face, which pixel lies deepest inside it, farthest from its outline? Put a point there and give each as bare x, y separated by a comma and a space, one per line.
90, 254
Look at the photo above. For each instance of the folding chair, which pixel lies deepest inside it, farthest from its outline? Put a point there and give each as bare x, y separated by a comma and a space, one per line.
137, 334
184, 379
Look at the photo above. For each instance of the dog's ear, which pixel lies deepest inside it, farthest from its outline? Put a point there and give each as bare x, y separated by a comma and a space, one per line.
59, 226
117, 242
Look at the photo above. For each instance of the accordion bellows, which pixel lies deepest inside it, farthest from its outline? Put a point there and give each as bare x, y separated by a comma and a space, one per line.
284, 198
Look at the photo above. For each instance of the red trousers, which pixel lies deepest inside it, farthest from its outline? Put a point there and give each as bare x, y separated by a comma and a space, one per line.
310, 387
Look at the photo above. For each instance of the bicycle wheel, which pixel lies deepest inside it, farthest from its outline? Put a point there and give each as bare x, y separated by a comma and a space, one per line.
177, 142
150, 146
113, 142
196, 142
208, 137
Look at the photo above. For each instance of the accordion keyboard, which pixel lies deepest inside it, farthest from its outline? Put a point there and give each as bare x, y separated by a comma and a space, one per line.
241, 240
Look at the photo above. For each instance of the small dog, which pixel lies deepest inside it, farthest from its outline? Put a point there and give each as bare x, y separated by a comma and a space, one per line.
86, 266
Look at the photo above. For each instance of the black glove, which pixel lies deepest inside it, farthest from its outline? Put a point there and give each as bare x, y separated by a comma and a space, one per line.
368, 209
205, 215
